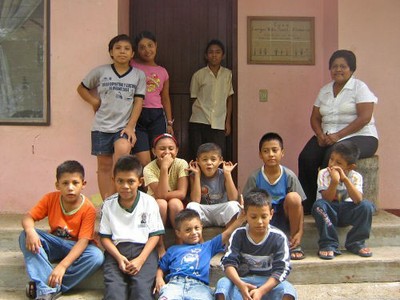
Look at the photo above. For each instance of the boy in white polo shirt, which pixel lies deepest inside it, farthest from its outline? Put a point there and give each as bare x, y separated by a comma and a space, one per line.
130, 229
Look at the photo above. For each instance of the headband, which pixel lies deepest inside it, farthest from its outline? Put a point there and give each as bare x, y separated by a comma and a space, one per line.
163, 136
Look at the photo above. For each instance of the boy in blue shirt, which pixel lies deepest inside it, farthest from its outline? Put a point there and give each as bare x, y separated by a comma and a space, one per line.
340, 203
285, 189
187, 266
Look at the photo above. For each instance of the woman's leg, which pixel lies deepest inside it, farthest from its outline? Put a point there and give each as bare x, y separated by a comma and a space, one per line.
104, 175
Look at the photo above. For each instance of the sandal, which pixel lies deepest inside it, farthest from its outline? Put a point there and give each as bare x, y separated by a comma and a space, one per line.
31, 290
364, 252
326, 256
297, 253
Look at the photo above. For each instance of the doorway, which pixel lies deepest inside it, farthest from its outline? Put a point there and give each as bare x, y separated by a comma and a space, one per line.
183, 29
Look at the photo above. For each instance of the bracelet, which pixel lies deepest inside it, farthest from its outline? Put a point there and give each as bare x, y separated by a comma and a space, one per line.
170, 122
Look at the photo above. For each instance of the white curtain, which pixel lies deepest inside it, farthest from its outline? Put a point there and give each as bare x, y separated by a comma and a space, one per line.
13, 14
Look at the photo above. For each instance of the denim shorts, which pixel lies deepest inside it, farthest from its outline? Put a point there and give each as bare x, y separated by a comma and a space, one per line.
179, 287
103, 142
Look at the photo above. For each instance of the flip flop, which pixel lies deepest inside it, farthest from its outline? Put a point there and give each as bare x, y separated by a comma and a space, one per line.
31, 290
294, 253
364, 252
326, 256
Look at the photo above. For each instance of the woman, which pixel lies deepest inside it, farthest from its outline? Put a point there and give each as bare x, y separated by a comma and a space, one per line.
343, 111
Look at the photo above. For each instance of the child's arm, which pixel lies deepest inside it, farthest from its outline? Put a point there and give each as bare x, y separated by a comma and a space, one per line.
330, 193
230, 187
195, 184
58, 272
159, 280
88, 97
244, 287
226, 234
166, 103
353, 192
33, 242
129, 129
228, 118
136, 264
109, 246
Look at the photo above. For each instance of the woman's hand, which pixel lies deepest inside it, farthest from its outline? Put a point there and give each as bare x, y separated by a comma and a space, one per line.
332, 138
130, 134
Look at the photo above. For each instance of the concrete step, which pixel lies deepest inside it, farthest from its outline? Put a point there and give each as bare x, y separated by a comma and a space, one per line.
383, 266
385, 232
343, 291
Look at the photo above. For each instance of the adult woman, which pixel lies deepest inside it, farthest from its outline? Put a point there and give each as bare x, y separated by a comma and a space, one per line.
343, 110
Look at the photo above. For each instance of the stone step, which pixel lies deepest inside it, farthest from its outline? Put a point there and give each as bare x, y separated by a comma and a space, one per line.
385, 232
383, 266
343, 291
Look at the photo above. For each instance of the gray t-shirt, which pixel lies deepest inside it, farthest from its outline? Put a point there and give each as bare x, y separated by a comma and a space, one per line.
117, 94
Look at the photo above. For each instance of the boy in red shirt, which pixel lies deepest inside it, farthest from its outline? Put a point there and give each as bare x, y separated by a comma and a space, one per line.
71, 218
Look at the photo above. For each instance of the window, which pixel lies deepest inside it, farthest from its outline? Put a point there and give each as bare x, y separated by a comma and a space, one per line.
24, 96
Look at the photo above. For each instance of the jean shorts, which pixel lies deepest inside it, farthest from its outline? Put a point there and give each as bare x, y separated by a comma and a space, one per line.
103, 142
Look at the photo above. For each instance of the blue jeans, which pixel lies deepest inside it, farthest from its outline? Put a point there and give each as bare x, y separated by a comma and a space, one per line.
328, 215
185, 288
39, 267
231, 292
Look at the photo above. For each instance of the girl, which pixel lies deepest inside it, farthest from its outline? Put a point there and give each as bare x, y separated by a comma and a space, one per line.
156, 116
166, 178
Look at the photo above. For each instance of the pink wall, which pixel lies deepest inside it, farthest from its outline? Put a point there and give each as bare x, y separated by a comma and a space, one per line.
79, 37
292, 88
372, 29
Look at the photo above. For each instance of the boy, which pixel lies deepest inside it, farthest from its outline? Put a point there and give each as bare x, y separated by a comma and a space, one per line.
256, 263
340, 203
212, 187
130, 228
71, 218
211, 90
285, 189
121, 90
188, 265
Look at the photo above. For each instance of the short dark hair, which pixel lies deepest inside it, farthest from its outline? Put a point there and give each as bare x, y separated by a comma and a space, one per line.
208, 147
118, 38
257, 197
70, 166
348, 150
270, 136
217, 43
185, 215
143, 35
127, 163
348, 56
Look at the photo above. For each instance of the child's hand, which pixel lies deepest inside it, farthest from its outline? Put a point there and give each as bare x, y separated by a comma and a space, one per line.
56, 276
245, 289
123, 262
159, 284
256, 294
228, 166
134, 266
130, 134
342, 175
166, 161
194, 167
334, 173
32, 241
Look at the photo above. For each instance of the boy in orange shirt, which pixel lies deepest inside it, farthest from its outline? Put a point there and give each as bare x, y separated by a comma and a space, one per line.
71, 218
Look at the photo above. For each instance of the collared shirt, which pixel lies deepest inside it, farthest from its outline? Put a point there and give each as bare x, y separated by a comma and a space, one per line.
211, 93
338, 112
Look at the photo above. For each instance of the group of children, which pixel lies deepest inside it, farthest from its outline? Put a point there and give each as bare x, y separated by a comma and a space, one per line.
136, 264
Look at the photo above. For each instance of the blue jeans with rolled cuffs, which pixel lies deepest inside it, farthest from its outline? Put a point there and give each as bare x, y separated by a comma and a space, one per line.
185, 288
54, 249
330, 214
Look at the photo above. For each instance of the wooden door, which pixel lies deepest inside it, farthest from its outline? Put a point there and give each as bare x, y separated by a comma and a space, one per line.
183, 29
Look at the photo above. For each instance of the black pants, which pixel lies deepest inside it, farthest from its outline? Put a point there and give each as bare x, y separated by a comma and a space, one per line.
120, 286
313, 157
202, 133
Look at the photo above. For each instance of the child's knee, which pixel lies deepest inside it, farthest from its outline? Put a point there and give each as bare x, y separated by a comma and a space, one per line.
293, 199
